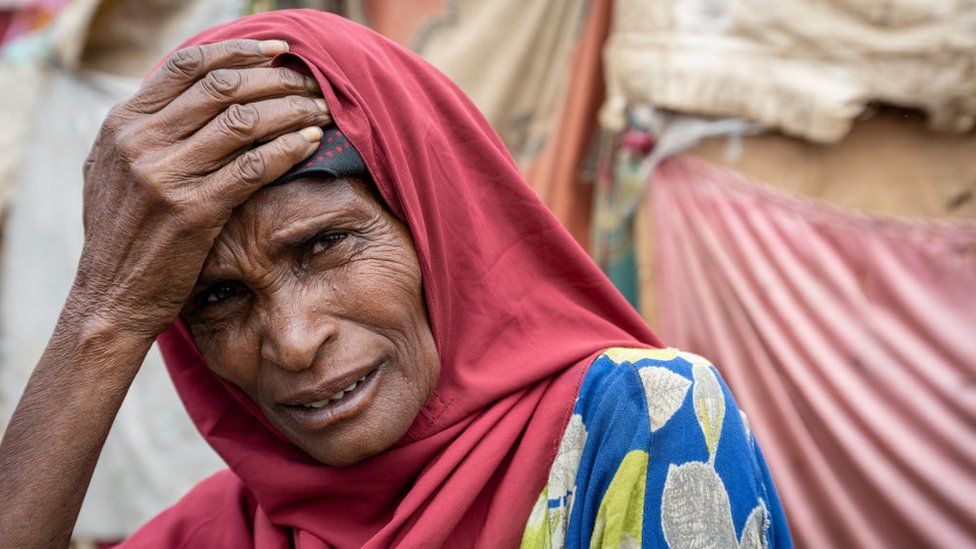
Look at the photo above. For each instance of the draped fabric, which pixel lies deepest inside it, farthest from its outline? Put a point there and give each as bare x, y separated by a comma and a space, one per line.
849, 342
657, 454
517, 309
535, 71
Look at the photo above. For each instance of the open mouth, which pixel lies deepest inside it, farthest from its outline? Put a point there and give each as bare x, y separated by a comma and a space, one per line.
336, 397
315, 413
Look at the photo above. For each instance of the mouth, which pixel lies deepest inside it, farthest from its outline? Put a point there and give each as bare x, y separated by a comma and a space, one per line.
315, 410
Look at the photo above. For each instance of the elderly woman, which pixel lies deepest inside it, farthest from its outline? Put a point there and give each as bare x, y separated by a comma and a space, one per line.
379, 327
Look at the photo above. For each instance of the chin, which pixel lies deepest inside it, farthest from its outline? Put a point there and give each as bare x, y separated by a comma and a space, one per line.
339, 451
337, 459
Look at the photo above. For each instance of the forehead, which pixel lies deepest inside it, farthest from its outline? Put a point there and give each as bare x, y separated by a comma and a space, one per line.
306, 195
275, 209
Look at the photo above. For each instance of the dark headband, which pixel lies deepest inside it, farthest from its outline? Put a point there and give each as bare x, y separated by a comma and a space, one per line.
335, 157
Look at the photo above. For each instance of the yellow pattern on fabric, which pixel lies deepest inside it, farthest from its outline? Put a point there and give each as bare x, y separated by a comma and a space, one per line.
628, 354
709, 407
536, 535
620, 520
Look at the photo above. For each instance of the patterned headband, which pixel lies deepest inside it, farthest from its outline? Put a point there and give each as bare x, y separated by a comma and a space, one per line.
335, 157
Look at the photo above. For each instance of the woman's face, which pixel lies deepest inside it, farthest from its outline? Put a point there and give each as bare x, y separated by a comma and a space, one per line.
311, 302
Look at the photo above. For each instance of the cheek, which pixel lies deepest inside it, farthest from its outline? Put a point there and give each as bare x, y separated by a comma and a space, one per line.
231, 352
385, 288
385, 291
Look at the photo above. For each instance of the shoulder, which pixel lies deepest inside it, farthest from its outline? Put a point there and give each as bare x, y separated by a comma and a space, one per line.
641, 390
660, 377
656, 446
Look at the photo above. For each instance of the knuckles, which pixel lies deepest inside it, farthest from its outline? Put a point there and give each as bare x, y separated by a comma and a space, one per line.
304, 107
162, 190
221, 84
117, 119
158, 191
251, 166
290, 78
299, 104
240, 120
127, 144
144, 173
185, 63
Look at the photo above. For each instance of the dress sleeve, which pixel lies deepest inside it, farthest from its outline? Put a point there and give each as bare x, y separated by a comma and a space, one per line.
657, 454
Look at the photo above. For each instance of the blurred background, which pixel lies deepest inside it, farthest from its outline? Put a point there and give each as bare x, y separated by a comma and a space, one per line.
787, 188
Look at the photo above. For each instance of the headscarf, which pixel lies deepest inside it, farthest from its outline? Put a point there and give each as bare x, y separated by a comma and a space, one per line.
517, 309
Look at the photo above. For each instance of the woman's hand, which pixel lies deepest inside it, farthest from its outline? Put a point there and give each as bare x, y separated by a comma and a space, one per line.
168, 167
206, 130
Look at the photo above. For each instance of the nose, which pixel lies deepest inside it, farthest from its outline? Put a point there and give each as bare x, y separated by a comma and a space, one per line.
294, 334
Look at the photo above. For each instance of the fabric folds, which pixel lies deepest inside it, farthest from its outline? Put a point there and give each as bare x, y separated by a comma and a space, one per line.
848, 341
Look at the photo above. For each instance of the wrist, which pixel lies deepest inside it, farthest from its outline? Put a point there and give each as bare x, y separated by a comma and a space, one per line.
98, 333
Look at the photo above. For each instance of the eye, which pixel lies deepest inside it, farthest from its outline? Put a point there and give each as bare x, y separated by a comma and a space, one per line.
326, 241
220, 293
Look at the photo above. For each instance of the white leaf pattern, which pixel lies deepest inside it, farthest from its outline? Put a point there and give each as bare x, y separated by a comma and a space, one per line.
695, 509
695, 504
665, 392
709, 406
754, 533
562, 477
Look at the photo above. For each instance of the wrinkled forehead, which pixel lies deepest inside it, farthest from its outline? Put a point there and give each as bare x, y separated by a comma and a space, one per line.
265, 218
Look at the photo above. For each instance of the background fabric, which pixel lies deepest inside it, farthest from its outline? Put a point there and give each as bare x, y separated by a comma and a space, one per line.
805, 68
22, 30
516, 307
847, 340
535, 71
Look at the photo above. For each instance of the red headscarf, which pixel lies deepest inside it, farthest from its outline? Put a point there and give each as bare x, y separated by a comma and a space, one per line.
517, 308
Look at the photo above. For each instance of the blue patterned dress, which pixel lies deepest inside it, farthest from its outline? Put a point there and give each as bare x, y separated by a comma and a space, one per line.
657, 454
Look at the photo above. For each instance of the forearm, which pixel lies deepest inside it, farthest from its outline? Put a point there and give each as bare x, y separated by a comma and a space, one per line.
54, 438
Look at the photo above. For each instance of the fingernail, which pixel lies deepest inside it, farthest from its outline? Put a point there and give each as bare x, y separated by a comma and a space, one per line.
273, 47
312, 134
322, 105
311, 83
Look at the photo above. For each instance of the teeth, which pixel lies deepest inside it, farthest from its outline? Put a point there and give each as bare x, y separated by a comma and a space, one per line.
336, 397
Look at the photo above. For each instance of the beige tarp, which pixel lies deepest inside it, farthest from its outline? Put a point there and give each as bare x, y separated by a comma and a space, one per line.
805, 68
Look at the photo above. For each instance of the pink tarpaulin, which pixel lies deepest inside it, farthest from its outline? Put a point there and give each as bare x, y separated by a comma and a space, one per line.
850, 342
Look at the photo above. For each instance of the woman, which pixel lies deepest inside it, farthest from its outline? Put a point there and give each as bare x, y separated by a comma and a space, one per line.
393, 343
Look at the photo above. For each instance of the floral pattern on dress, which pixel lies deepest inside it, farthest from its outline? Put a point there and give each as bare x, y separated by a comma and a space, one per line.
657, 454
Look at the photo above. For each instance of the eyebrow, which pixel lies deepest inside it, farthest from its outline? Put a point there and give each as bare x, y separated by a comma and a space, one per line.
291, 235
297, 232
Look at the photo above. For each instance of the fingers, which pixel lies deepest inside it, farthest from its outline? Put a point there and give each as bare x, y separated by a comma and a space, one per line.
240, 126
187, 65
222, 88
239, 179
